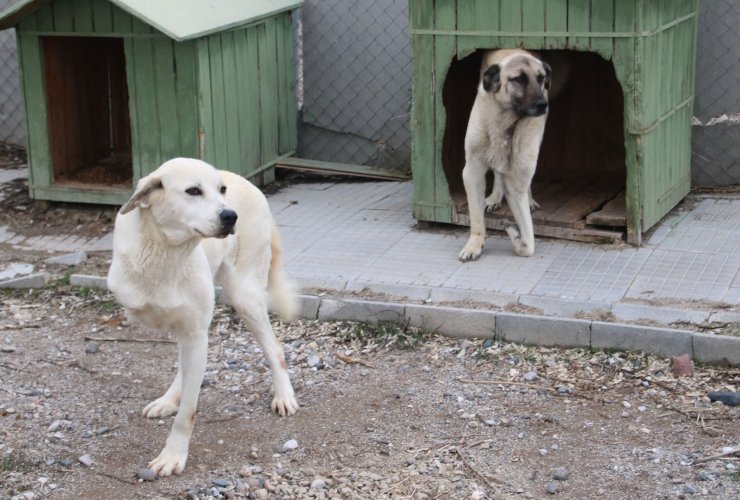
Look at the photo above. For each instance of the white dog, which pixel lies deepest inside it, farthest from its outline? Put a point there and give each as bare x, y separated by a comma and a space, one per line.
504, 134
171, 239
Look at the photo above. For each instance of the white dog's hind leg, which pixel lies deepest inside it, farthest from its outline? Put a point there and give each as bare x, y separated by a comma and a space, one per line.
474, 179
522, 237
493, 202
169, 402
194, 353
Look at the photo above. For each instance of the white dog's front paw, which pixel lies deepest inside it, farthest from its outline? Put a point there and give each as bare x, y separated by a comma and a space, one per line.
285, 406
162, 407
169, 462
472, 249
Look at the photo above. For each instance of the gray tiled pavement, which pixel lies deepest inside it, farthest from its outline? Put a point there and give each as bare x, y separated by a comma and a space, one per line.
356, 235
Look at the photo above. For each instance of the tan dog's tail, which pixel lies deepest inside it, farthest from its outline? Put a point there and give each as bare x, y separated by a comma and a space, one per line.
283, 298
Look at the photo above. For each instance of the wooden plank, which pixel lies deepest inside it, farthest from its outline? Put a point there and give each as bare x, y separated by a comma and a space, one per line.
165, 95
44, 18
588, 235
422, 111
579, 21
602, 21
444, 52
511, 22
533, 19
247, 65
286, 97
205, 102
121, 20
556, 20
267, 54
614, 213
32, 68
148, 124
187, 97
133, 108
324, 167
575, 209
218, 140
63, 16
234, 158
83, 16
102, 17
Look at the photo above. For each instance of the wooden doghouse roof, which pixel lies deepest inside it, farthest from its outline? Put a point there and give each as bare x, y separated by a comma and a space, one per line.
177, 19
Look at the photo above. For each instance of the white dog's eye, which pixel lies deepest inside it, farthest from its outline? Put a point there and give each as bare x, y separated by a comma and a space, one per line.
194, 191
223, 189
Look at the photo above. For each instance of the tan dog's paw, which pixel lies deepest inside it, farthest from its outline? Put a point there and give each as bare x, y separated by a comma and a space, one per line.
285, 406
533, 205
169, 462
160, 408
494, 200
520, 247
472, 249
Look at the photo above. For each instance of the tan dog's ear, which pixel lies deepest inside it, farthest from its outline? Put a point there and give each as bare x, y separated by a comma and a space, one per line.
492, 78
548, 75
146, 188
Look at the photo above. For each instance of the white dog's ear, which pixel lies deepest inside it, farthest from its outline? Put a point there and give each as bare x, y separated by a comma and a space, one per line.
144, 195
492, 78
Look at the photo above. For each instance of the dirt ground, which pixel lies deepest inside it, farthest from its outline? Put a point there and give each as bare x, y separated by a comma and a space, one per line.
386, 412
405, 415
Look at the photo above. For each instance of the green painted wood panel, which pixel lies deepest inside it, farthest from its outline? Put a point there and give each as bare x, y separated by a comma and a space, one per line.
249, 99
231, 89
533, 20
205, 103
556, 21
165, 95
186, 91
579, 21
102, 17
288, 105
511, 22
602, 21
267, 55
444, 51
422, 106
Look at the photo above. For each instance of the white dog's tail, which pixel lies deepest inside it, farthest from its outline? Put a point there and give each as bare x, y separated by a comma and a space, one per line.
283, 298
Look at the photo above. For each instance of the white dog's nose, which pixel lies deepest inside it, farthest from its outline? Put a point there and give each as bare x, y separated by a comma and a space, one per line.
228, 218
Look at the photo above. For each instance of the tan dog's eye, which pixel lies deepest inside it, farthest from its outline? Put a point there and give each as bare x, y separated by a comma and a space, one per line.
521, 79
223, 189
194, 191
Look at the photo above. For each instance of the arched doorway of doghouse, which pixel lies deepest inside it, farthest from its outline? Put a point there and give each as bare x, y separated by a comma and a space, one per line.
581, 173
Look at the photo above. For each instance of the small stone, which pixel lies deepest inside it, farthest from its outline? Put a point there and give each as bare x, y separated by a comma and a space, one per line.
704, 476
564, 389
487, 343
682, 366
543, 452
221, 483
101, 430
530, 376
92, 348
689, 489
65, 462
318, 484
261, 494
146, 474
552, 488
313, 360
290, 445
245, 471
560, 474
86, 460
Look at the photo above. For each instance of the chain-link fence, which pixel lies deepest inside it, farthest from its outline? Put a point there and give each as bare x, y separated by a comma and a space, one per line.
12, 118
354, 86
716, 131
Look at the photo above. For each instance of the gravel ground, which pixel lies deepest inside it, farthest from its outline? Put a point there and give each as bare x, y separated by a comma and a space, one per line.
386, 412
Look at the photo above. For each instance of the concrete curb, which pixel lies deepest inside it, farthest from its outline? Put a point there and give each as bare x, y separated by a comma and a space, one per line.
513, 327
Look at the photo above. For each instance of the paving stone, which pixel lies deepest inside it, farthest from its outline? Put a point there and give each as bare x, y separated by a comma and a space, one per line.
716, 349
400, 291
88, 281
660, 341
463, 295
453, 322
543, 330
666, 315
36, 280
359, 310
309, 306
552, 306
69, 259
725, 317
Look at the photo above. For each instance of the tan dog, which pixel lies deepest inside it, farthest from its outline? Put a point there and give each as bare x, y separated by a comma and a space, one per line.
171, 239
504, 134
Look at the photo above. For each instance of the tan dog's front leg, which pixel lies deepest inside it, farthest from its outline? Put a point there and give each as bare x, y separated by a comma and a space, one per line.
522, 236
493, 202
474, 179
172, 459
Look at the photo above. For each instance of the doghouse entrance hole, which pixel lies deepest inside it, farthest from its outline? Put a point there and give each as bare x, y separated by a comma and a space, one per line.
581, 173
88, 119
